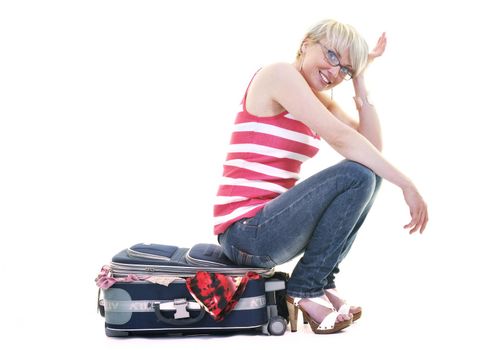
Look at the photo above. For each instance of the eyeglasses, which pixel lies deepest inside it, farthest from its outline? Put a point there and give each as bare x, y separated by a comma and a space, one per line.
332, 59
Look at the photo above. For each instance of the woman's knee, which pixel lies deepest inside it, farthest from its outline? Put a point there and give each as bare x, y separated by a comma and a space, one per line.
361, 173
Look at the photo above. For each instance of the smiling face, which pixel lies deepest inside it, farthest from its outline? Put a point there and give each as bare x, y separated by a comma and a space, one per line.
316, 64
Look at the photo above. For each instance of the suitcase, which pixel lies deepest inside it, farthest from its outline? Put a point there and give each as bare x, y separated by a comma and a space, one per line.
144, 292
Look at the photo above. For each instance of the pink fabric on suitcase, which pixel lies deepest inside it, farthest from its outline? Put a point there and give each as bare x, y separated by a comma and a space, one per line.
217, 293
105, 281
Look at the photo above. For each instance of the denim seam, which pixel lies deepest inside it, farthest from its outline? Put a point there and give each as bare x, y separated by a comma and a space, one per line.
341, 226
306, 194
341, 218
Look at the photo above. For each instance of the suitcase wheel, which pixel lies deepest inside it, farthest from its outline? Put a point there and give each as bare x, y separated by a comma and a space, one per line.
277, 325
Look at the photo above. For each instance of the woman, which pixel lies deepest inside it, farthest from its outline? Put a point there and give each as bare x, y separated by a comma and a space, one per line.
262, 218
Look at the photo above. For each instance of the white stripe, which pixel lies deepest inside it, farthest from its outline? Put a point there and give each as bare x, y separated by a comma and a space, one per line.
228, 199
262, 169
266, 151
292, 117
269, 186
277, 131
238, 212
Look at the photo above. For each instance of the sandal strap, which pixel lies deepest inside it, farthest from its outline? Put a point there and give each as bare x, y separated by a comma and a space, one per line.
329, 321
321, 302
316, 300
344, 309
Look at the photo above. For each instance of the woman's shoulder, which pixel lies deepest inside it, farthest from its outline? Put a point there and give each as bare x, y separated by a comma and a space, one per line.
276, 76
260, 100
278, 68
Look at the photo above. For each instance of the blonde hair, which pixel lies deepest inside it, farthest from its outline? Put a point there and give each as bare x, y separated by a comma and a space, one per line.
341, 37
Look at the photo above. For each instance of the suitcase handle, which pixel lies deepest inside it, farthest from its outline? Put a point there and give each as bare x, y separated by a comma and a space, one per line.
181, 315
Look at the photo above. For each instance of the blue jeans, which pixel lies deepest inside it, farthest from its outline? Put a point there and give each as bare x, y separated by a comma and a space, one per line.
318, 217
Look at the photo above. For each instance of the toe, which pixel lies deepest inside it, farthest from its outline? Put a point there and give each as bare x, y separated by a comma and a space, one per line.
355, 309
342, 318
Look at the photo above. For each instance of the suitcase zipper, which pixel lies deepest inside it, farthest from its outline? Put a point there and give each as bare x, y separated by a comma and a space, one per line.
136, 254
199, 262
120, 269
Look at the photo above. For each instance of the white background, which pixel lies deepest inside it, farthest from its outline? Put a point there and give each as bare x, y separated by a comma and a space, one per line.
114, 120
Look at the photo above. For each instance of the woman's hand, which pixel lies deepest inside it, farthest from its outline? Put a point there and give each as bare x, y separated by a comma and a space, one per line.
418, 209
378, 50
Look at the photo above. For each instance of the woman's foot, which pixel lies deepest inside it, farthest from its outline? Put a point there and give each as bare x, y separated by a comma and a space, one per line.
341, 305
319, 311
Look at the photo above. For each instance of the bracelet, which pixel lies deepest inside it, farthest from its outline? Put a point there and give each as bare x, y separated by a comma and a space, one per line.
360, 102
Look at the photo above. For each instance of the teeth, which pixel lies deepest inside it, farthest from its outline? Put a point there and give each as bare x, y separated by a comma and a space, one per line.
324, 78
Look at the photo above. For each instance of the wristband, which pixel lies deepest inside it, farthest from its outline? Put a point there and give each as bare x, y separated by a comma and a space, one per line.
360, 102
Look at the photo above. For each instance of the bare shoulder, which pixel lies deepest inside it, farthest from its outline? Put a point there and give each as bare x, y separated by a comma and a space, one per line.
261, 99
280, 79
279, 71
282, 85
279, 67
285, 76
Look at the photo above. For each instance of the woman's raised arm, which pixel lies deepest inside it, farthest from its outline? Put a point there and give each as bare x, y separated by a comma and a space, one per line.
288, 88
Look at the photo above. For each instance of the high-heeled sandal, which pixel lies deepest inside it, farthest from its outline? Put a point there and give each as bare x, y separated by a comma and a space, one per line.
328, 324
345, 308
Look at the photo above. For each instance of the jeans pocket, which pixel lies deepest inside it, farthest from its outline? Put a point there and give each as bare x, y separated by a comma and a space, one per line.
250, 223
245, 226
241, 257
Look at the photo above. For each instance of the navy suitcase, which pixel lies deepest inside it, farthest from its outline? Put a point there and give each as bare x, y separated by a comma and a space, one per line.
146, 293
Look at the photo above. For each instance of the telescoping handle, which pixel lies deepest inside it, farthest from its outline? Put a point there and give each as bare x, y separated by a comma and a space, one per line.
181, 316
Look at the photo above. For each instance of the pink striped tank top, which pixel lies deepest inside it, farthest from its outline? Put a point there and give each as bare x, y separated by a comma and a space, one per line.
264, 159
